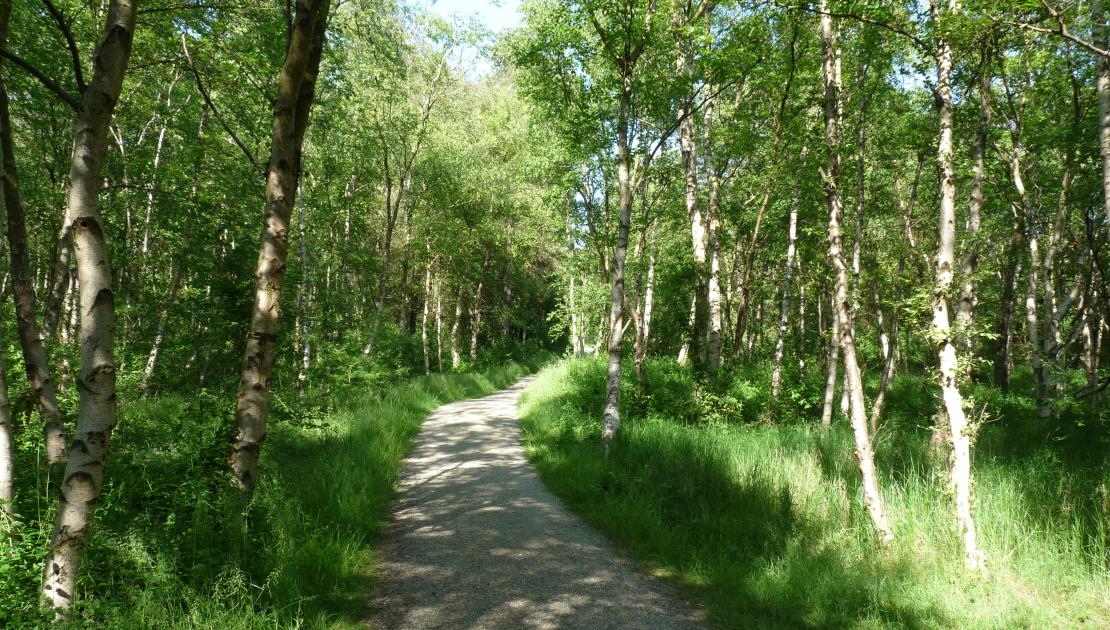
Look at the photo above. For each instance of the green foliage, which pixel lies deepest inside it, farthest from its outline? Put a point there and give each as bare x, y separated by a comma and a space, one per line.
764, 522
171, 551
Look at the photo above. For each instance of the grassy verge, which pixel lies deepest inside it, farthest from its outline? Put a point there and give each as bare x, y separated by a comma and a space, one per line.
763, 523
169, 551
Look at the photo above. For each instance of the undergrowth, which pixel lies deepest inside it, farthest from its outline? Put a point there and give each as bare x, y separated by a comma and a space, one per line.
756, 512
170, 550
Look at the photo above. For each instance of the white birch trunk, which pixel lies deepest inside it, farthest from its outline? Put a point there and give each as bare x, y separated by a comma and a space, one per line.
295, 91
831, 366
611, 414
784, 310
7, 476
439, 324
96, 415
424, 319
830, 176
456, 357
960, 433
684, 350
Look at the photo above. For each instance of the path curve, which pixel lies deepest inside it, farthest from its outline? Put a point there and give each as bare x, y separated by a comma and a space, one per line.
476, 541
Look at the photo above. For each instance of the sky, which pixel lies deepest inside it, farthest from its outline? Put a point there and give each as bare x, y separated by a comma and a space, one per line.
498, 15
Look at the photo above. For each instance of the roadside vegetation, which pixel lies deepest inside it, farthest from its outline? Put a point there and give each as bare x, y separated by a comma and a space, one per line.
170, 550
754, 509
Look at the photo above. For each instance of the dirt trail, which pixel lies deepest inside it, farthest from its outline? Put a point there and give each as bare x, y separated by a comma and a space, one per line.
476, 541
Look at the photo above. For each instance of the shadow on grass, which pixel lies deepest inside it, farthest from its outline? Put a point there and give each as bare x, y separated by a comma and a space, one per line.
706, 507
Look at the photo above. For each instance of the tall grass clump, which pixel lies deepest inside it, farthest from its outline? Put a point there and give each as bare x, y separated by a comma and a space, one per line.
170, 549
756, 512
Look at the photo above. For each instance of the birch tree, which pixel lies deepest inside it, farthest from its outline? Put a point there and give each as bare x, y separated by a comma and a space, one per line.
830, 176
96, 413
295, 90
960, 431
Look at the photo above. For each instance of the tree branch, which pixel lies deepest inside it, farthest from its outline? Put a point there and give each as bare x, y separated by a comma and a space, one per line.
916, 39
71, 100
223, 123
74, 52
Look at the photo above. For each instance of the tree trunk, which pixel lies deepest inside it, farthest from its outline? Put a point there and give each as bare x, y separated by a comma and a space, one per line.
942, 332
160, 334
7, 478
1053, 311
1102, 40
424, 320
305, 345
713, 282
476, 312
1091, 323
611, 418
684, 349
456, 357
96, 414
572, 306
831, 365
296, 88
23, 289
887, 381
784, 310
643, 333
149, 215
699, 333
439, 324
830, 176
965, 309
59, 285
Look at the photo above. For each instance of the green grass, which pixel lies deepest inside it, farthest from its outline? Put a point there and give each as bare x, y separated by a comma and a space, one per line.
763, 522
169, 550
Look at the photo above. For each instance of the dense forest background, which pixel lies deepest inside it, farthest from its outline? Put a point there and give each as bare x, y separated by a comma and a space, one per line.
831, 279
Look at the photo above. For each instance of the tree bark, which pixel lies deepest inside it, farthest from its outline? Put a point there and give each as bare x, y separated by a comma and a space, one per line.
830, 177
684, 349
960, 435
23, 288
96, 414
149, 215
295, 91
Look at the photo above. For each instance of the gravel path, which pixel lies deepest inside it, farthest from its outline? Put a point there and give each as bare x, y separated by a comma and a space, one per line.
476, 541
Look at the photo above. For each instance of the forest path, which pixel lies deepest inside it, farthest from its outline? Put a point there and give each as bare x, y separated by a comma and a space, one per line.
476, 541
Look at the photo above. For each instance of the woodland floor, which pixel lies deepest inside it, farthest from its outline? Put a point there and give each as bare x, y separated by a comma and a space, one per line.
476, 541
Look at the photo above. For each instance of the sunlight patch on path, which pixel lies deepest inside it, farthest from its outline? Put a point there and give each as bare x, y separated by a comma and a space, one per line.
476, 541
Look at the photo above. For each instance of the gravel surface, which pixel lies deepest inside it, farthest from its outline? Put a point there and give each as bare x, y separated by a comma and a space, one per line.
476, 541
